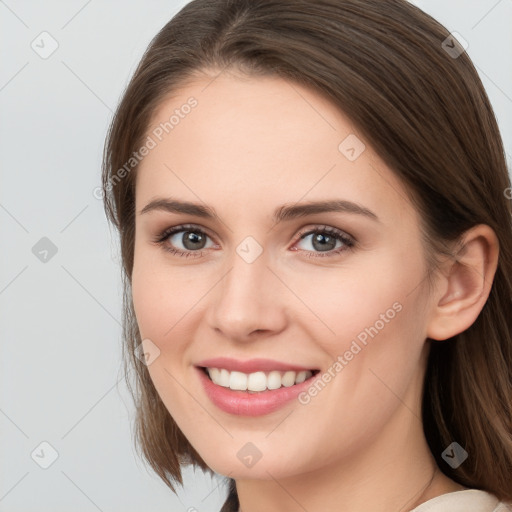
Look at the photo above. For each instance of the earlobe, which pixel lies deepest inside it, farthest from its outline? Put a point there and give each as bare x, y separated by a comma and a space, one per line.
465, 284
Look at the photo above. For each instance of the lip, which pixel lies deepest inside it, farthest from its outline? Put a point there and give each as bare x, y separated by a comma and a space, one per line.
250, 366
243, 403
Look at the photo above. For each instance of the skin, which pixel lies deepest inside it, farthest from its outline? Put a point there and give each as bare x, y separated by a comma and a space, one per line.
250, 146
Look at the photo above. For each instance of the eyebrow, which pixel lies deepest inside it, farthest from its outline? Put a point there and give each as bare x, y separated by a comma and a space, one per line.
282, 213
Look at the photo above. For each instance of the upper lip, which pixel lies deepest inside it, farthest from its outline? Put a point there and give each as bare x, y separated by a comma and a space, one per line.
251, 365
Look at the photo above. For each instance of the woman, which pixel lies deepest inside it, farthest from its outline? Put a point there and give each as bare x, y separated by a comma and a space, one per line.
317, 252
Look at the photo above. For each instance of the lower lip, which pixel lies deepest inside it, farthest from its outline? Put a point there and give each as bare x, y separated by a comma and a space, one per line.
242, 403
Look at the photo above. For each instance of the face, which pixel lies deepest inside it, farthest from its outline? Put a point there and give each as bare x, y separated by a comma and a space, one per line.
274, 288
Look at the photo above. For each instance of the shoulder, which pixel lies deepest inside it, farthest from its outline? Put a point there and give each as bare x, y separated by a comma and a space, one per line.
468, 500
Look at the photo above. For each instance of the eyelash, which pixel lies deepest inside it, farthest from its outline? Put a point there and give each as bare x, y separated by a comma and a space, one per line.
349, 242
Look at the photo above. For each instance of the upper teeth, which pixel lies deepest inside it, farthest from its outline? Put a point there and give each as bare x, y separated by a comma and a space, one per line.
257, 381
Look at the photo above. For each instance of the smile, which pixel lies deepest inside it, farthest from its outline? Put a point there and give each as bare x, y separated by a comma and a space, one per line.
253, 394
257, 381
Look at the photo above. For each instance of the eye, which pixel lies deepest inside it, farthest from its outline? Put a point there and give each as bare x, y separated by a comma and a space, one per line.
324, 240
190, 237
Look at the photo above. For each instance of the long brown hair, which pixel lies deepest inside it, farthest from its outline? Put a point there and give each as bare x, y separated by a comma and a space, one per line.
415, 96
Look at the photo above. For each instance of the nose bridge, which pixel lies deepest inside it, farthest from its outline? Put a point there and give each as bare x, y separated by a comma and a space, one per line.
246, 297
247, 280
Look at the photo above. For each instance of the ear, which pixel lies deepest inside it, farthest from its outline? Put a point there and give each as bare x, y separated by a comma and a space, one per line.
464, 284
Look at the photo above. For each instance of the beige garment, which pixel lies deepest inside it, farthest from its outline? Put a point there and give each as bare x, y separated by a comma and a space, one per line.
468, 500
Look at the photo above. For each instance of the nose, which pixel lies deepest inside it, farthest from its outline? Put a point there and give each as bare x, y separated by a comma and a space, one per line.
249, 301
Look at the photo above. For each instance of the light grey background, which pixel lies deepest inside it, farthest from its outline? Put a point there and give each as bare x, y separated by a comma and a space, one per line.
61, 380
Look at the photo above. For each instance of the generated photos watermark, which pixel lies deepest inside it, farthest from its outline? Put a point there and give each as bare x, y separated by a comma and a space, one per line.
342, 360
151, 142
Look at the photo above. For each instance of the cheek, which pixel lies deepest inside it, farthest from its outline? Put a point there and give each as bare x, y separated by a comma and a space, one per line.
161, 314
360, 301
162, 295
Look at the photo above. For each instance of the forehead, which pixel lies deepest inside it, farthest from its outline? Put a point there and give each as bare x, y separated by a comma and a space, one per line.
259, 142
